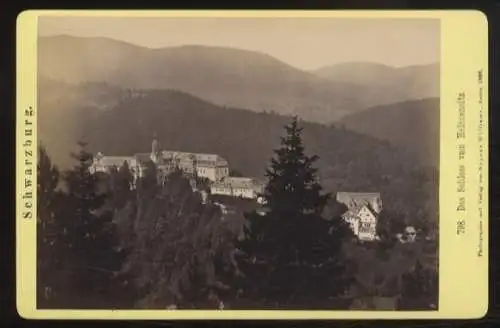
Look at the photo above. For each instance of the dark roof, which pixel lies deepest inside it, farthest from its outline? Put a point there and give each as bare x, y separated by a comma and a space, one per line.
354, 210
354, 199
371, 209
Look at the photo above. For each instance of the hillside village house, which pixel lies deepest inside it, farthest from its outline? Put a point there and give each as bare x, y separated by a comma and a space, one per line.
362, 213
210, 166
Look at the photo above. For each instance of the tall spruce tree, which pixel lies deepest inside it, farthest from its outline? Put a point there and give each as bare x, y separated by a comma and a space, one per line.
121, 181
49, 288
293, 187
291, 256
93, 258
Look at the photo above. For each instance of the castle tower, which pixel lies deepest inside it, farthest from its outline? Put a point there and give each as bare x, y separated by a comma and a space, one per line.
156, 152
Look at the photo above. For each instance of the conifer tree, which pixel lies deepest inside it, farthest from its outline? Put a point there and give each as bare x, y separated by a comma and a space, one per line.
49, 288
389, 224
148, 183
121, 182
178, 242
291, 256
93, 256
293, 187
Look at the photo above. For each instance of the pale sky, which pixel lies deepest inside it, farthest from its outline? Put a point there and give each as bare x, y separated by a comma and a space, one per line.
306, 43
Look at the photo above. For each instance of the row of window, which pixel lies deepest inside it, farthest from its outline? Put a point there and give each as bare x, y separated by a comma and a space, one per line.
228, 190
366, 225
201, 171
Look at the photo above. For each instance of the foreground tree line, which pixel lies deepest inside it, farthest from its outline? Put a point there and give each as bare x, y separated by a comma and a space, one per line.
102, 244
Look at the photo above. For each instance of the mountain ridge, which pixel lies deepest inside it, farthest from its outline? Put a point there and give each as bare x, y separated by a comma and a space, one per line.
413, 81
221, 75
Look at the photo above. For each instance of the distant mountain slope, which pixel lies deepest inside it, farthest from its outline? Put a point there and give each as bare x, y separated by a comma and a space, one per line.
412, 125
411, 82
223, 76
358, 72
348, 161
64, 109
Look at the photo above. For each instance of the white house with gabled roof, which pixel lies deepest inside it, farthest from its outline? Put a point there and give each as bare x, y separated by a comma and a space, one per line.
362, 213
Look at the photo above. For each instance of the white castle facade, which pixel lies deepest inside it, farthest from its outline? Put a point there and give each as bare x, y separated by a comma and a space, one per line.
212, 167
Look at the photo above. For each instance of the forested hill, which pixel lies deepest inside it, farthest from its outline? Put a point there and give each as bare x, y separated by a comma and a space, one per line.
348, 161
411, 125
245, 138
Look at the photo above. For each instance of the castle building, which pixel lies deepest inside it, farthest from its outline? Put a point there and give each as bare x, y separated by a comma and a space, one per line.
362, 213
237, 187
104, 164
210, 166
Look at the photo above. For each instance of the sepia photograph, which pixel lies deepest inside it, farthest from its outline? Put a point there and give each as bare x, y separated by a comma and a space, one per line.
225, 163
